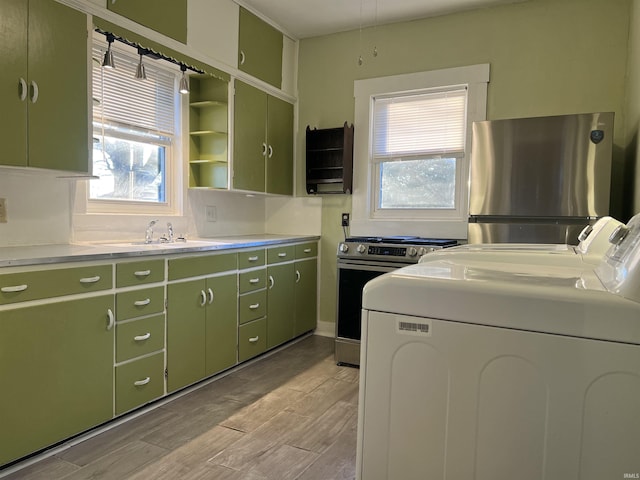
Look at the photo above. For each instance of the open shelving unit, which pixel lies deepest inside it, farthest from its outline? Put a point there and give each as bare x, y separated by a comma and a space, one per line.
330, 160
208, 132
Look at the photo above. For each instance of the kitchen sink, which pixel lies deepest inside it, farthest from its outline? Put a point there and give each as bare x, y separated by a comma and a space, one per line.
166, 245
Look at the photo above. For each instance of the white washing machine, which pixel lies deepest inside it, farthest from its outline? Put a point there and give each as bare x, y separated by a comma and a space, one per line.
495, 371
592, 246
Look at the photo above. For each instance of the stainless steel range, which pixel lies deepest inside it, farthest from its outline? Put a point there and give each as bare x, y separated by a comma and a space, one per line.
361, 259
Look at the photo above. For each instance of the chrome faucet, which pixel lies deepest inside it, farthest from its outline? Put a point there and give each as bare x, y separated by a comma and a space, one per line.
148, 235
170, 232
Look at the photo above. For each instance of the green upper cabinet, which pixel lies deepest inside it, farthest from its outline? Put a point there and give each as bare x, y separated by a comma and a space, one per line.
263, 142
259, 49
43, 85
168, 17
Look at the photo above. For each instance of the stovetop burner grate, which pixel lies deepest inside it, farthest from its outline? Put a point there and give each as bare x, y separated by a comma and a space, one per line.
404, 240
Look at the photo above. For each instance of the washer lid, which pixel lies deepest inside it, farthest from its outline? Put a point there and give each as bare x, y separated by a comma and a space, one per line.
538, 298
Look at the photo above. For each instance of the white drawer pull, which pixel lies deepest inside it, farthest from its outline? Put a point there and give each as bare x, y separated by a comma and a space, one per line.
282, 254
254, 306
254, 339
142, 273
112, 319
15, 288
297, 276
142, 303
272, 282
307, 250
90, 279
253, 281
253, 259
203, 298
210, 295
142, 338
139, 383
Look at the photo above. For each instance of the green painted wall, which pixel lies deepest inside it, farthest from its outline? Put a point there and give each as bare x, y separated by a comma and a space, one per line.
547, 57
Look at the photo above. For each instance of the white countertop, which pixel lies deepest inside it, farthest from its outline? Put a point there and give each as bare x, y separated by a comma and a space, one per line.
59, 253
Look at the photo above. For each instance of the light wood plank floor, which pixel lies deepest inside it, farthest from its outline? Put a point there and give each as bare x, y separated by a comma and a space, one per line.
291, 415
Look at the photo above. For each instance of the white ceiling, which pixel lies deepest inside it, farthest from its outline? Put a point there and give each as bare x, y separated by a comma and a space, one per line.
310, 18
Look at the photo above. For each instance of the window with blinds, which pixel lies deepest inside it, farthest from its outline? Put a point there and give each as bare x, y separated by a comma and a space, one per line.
418, 140
134, 124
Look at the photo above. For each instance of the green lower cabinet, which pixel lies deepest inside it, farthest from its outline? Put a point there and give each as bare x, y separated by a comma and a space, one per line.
139, 382
305, 296
252, 339
280, 297
56, 366
221, 331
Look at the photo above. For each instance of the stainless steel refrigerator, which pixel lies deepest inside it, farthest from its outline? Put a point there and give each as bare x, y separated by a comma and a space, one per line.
539, 180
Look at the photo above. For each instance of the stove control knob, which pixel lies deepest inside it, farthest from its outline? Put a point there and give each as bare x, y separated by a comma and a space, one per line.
344, 248
422, 251
361, 248
412, 251
618, 234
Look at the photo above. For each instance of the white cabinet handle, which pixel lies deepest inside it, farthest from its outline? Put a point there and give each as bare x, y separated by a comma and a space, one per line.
14, 288
272, 282
23, 89
35, 92
254, 339
90, 279
270, 151
142, 303
264, 149
139, 383
254, 306
297, 276
142, 338
203, 298
253, 259
307, 250
282, 254
142, 273
112, 319
210, 296
253, 281
242, 57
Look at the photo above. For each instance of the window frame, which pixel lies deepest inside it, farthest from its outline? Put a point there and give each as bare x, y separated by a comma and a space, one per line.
443, 223
173, 154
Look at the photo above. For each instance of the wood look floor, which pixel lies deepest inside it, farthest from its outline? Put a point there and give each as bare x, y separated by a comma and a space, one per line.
291, 415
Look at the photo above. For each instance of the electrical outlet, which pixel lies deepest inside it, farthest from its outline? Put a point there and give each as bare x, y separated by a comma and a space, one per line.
3, 210
345, 219
212, 213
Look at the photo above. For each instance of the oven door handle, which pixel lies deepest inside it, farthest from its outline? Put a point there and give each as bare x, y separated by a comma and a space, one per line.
371, 266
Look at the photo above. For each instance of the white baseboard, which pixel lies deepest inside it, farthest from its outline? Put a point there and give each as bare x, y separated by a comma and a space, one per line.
325, 329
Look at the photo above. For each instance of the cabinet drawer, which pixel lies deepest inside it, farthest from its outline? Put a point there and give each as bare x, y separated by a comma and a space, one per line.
139, 382
139, 273
307, 250
252, 258
253, 280
283, 253
139, 302
20, 287
197, 265
252, 306
252, 339
140, 337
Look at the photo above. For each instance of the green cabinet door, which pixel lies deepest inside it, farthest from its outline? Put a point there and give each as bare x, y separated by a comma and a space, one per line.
56, 367
305, 296
185, 333
168, 17
280, 147
221, 323
280, 298
249, 138
259, 49
58, 117
13, 81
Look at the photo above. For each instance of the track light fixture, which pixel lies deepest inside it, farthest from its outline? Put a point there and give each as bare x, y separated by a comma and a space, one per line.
141, 74
184, 80
107, 61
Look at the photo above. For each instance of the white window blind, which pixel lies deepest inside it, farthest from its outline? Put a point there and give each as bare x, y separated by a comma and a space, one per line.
120, 100
427, 125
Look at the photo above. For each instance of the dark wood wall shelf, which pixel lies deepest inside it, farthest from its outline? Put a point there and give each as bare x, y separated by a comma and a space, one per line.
330, 160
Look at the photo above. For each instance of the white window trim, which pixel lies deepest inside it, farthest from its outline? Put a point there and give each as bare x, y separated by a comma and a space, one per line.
444, 224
